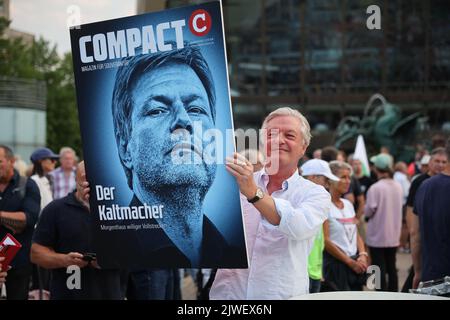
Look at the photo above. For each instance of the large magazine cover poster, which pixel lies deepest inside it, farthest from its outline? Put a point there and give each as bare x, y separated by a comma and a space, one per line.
156, 124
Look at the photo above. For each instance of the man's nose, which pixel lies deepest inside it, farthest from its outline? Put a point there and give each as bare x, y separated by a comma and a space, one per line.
181, 119
281, 139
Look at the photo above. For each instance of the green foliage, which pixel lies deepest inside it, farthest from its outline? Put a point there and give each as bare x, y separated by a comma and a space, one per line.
62, 114
41, 61
3, 24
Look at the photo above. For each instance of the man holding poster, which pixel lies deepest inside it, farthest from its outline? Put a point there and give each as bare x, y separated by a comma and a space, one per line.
283, 213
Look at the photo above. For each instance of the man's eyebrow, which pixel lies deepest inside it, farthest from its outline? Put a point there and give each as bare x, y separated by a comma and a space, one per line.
159, 98
191, 97
167, 101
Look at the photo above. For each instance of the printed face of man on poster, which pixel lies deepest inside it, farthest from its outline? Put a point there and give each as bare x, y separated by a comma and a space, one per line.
158, 100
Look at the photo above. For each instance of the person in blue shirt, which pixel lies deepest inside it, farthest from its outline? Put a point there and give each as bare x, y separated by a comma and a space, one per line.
432, 221
19, 210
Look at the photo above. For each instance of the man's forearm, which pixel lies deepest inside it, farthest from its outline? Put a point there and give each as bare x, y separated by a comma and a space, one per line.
412, 222
14, 221
266, 206
47, 257
415, 254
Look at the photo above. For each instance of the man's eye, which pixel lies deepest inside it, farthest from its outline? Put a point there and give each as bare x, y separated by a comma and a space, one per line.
196, 110
155, 112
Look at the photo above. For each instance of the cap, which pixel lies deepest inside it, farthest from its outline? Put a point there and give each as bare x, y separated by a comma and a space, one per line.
382, 161
317, 167
425, 159
43, 153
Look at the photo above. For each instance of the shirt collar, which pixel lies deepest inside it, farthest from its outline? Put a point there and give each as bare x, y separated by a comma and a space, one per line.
264, 179
13, 184
60, 170
72, 200
15, 178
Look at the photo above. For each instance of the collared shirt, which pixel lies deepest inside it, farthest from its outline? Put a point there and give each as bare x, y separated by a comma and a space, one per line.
278, 255
11, 201
62, 185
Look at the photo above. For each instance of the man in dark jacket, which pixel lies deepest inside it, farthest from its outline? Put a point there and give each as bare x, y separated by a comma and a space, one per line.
19, 210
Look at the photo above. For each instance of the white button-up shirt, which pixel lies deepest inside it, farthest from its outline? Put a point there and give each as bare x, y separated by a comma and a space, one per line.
278, 255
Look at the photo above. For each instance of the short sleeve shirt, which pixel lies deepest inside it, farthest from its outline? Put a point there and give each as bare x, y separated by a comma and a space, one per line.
342, 227
65, 226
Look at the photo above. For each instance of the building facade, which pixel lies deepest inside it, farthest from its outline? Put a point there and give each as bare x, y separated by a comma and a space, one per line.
320, 57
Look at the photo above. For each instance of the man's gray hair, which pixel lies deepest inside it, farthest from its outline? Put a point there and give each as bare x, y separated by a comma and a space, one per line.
305, 129
66, 150
438, 151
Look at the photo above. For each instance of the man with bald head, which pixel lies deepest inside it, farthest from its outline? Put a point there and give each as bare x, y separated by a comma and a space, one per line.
62, 239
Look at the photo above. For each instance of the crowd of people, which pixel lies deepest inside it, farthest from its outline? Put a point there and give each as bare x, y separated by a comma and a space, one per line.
310, 228
391, 222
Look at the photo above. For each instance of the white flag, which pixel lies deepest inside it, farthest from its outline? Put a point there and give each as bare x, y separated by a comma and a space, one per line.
361, 154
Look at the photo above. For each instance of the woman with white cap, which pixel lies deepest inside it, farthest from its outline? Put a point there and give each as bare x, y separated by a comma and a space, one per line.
345, 259
319, 172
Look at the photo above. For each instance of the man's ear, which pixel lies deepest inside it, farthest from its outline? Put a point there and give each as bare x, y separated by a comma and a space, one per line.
124, 153
303, 148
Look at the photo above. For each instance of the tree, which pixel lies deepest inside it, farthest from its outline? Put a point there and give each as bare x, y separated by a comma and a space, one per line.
40, 61
16, 58
63, 127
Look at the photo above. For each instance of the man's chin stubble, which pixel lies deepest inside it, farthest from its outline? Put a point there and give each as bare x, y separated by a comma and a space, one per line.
179, 176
